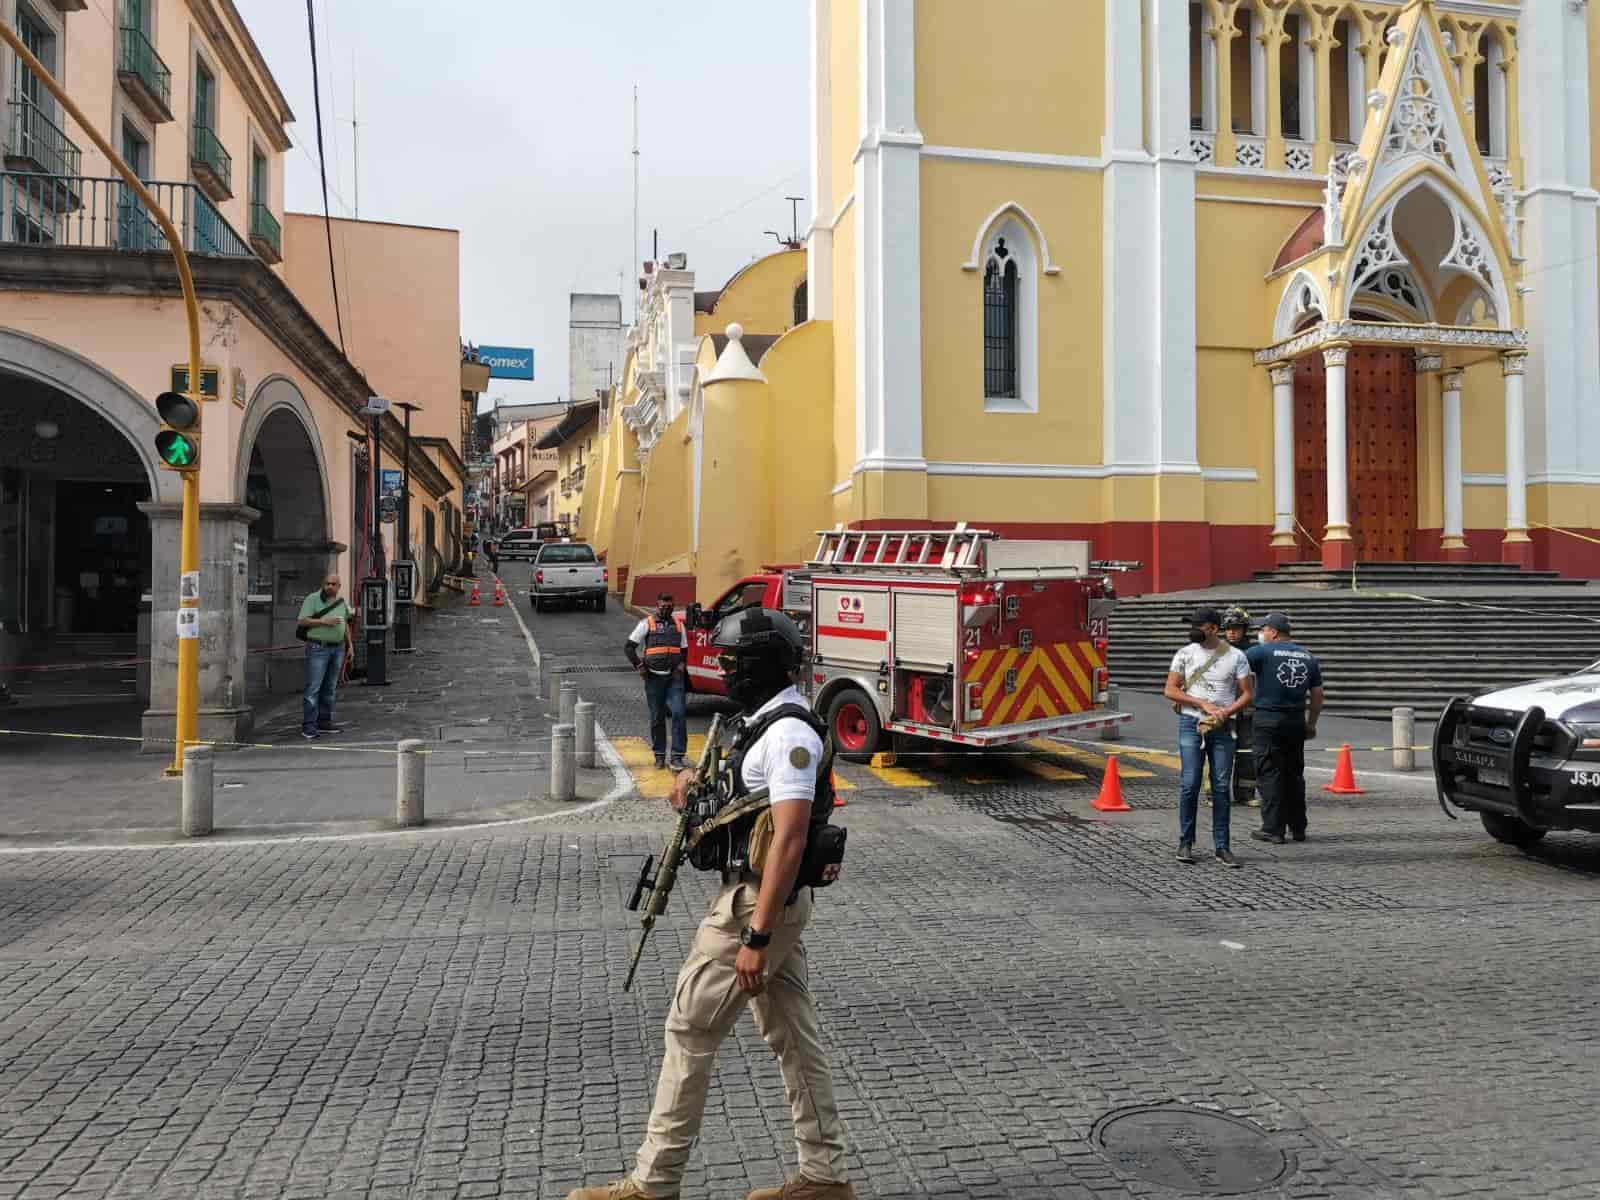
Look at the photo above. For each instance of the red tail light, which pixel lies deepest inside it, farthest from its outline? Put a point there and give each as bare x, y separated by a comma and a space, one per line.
1101, 645
605, 574
538, 576
978, 595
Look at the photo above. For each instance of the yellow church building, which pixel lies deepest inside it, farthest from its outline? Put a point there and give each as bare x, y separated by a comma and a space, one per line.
1214, 285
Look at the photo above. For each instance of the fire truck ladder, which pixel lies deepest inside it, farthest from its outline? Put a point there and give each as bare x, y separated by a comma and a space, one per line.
898, 550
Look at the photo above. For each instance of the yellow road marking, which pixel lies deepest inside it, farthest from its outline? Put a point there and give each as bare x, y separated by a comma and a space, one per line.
1051, 772
899, 777
1158, 758
1088, 758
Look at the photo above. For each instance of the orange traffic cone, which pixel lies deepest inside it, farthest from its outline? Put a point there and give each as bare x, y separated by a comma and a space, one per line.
1344, 776
1110, 797
838, 796
476, 600
499, 593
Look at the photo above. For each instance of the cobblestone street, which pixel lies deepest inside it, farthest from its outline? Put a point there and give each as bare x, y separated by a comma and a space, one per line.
1401, 1004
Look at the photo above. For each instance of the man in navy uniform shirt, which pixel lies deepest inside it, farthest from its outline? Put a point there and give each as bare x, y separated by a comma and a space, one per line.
1288, 701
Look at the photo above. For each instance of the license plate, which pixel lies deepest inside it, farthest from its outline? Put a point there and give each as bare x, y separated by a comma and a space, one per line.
1492, 778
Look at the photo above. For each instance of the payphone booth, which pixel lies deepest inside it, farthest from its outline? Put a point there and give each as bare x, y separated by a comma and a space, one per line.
375, 621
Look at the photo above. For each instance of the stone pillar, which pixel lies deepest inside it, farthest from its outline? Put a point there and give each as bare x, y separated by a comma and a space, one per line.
1454, 543
1222, 31
1517, 548
1283, 539
1272, 39
1338, 551
224, 590
1321, 45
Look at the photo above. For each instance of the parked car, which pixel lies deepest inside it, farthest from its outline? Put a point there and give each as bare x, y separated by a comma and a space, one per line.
519, 543
568, 570
1526, 759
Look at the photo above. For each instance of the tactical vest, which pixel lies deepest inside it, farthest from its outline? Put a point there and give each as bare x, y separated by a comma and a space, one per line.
663, 647
742, 845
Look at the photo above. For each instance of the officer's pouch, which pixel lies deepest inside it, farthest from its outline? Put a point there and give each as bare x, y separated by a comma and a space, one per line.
824, 857
760, 841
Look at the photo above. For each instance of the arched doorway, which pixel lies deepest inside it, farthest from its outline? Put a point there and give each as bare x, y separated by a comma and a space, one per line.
282, 476
1381, 442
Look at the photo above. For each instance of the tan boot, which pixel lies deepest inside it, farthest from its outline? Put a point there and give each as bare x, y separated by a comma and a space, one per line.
622, 1189
801, 1188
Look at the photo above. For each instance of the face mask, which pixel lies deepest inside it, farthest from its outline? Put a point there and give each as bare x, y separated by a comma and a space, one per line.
1197, 635
1261, 639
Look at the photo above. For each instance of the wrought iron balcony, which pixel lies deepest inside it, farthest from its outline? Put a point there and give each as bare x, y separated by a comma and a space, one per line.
144, 76
38, 144
106, 214
266, 235
212, 165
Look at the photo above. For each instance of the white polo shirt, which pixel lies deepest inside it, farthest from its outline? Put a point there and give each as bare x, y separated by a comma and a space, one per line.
786, 757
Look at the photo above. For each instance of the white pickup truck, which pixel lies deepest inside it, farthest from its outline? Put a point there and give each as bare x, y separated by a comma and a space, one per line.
568, 570
1526, 759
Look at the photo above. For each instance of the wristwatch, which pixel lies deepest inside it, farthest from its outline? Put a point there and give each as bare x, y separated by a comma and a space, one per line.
754, 938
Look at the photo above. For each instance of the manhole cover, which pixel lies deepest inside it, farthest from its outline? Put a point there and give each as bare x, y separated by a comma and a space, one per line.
1191, 1150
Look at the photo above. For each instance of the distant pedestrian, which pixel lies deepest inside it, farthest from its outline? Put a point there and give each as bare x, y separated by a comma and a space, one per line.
1287, 707
492, 549
664, 667
1208, 682
325, 623
1236, 628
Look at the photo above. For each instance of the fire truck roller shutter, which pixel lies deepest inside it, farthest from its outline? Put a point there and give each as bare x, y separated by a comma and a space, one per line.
925, 629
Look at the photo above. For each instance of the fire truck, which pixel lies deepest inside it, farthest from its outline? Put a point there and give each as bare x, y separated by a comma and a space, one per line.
955, 635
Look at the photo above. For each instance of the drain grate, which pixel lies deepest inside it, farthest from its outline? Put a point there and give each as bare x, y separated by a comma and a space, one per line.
1191, 1150
591, 669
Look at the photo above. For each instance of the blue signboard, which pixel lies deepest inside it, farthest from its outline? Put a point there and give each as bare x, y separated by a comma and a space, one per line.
507, 362
390, 482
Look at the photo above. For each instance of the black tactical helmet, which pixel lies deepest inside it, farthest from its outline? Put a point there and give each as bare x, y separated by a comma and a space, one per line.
758, 650
1237, 616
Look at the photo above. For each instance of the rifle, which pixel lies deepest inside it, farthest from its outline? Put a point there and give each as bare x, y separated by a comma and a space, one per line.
661, 884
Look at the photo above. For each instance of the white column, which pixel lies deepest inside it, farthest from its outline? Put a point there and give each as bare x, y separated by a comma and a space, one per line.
1338, 452
1283, 454
1454, 534
1513, 366
819, 240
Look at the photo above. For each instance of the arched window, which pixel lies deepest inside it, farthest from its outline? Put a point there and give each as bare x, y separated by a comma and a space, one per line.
802, 308
1000, 325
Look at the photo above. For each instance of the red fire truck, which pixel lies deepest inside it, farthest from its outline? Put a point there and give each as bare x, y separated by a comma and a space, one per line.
953, 635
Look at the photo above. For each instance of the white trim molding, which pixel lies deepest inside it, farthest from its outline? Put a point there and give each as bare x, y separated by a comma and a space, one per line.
880, 463
1014, 158
840, 489
988, 228
1230, 474
998, 470
1484, 480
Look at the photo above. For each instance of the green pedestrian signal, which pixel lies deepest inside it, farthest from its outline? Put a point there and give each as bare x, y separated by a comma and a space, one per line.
178, 443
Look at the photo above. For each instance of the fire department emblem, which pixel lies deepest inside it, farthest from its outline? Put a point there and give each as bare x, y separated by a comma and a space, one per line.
1293, 673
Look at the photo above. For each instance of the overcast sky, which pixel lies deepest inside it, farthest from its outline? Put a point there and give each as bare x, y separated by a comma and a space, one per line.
510, 120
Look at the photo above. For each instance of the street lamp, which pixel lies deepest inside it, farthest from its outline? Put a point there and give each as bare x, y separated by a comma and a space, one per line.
404, 595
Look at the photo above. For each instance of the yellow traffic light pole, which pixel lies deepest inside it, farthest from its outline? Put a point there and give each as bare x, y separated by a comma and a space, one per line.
189, 548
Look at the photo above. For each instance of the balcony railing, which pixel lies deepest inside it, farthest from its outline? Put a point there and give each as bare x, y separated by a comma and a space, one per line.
145, 76
212, 164
39, 141
266, 235
110, 216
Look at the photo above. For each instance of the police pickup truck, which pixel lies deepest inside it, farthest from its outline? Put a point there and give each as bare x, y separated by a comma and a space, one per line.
1525, 759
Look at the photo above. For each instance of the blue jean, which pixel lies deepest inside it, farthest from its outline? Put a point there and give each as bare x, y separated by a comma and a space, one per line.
1192, 749
666, 696
323, 660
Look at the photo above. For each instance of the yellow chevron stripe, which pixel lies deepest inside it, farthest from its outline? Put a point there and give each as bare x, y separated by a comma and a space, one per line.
1015, 698
1093, 655
1068, 696
997, 679
1085, 684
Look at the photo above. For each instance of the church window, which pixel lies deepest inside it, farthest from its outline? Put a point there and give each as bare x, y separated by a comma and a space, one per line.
1000, 290
801, 304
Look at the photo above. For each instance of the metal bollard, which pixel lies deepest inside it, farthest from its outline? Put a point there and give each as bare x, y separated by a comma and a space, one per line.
563, 764
568, 700
199, 782
1113, 703
583, 737
411, 769
1405, 739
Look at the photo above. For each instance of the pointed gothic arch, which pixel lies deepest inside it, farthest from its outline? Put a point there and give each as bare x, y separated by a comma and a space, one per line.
989, 226
1303, 300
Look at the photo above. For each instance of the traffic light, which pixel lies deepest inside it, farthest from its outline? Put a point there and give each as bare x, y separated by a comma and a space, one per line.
178, 443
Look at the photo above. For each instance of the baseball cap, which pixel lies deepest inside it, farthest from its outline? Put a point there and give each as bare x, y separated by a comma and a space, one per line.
1276, 621
1205, 616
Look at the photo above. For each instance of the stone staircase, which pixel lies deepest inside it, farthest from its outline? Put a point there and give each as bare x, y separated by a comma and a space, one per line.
1379, 650
1379, 577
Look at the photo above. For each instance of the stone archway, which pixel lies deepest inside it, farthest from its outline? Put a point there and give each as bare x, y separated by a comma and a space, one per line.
281, 473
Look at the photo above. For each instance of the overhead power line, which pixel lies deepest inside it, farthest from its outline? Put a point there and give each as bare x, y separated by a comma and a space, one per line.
322, 170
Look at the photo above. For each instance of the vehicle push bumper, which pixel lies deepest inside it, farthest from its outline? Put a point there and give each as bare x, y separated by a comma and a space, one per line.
1517, 773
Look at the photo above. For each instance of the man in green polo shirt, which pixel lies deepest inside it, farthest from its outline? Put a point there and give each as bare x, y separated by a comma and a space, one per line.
325, 619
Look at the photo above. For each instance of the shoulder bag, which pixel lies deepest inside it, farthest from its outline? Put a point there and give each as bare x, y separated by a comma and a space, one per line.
303, 632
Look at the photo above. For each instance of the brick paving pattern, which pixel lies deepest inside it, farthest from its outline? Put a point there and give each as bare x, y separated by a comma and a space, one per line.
1408, 1011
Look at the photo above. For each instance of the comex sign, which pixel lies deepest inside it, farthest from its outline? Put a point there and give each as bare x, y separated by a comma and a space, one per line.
507, 362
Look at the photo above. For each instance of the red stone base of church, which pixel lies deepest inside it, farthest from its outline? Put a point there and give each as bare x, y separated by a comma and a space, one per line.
1338, 555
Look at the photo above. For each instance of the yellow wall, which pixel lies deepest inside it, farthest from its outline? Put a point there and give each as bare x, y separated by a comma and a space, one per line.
956, 199
844, 84
737, 476
661, 530
799, 371
760, 297
1039, 92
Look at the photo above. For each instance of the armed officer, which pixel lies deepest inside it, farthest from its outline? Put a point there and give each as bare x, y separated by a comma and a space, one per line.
748, 948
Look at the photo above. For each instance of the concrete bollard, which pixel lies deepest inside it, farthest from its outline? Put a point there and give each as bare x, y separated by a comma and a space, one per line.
1405, 739
199, 784
568, 701
583, 733
1113, 703
410, 783
563, 764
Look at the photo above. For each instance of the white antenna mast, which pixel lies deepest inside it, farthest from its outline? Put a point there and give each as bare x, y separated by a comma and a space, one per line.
633, 248
355, 132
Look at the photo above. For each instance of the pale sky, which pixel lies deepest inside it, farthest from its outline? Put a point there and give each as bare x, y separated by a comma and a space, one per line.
510, 120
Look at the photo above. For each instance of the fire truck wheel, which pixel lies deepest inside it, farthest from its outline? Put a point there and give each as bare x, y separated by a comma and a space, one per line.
1510, 830
853, 721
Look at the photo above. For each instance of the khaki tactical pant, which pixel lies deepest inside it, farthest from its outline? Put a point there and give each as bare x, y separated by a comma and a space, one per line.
705, 1007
